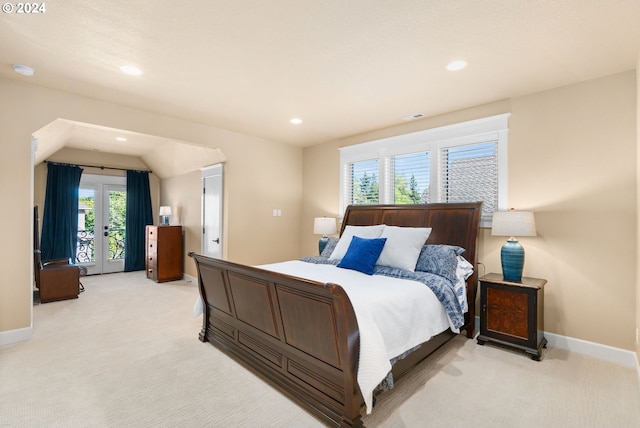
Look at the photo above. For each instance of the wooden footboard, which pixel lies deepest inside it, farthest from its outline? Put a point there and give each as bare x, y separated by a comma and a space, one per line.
300, 335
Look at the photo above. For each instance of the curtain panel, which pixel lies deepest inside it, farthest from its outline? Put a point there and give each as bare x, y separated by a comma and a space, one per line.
139, 215
60, 217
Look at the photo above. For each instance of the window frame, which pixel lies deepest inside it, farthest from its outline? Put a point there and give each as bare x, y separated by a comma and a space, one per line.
493, 128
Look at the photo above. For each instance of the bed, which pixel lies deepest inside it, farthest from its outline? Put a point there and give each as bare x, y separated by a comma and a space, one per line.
302, 335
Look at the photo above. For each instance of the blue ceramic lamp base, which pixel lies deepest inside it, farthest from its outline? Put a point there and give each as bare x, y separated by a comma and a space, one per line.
512, 258
323, 243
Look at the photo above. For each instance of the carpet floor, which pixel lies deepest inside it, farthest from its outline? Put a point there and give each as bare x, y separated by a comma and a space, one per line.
126, 354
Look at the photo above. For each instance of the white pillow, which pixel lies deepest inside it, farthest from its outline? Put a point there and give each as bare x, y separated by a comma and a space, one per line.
349, 232
403, 246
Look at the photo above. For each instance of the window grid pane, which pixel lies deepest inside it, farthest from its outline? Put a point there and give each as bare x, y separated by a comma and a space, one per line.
470, 173
364, 184
410, 175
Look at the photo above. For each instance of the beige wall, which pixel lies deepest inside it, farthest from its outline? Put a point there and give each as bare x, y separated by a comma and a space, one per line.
183, 194
572, 160
637, 325
257, 186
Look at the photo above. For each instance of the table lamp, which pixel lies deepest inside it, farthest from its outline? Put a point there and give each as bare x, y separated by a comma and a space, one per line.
324, 226
165, 213
513, 223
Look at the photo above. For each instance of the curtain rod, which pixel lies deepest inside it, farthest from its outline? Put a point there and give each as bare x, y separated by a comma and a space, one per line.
99, 166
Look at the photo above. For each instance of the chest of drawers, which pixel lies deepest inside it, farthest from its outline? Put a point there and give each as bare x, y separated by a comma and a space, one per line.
164, 253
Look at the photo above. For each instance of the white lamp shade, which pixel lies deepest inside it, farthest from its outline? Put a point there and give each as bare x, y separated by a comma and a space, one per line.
324, 225
513, 223
165, 210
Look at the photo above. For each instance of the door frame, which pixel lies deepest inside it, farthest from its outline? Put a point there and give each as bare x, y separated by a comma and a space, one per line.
102, 184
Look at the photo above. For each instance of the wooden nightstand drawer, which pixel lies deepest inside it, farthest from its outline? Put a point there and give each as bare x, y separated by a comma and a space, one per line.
507, 312
512, 313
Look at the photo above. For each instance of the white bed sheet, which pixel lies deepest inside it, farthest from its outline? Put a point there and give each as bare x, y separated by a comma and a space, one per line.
394, 315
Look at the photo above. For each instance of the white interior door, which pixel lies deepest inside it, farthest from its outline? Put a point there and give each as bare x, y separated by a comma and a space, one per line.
212, 211
101, 223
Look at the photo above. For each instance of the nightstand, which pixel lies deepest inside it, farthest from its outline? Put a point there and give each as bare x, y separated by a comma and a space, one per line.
512, 313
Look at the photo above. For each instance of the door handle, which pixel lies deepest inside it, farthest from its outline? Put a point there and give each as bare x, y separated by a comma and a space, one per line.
217, 240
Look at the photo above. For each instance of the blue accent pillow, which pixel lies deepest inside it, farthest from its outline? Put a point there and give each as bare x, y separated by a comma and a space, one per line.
362, 254
441, 260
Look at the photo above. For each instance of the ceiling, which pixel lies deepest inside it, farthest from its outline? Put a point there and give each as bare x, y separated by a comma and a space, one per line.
343, 67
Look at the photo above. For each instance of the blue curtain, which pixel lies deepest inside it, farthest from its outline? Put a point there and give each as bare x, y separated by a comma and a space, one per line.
139, 215
60, 217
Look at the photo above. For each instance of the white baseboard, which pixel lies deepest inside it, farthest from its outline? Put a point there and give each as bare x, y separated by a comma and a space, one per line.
17, 335
596, 350
592, 349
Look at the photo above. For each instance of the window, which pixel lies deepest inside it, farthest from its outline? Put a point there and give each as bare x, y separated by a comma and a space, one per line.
470, 173
457, 163
363, 182
410, 178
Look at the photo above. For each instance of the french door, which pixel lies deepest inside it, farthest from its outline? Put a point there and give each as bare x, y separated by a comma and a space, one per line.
101, 223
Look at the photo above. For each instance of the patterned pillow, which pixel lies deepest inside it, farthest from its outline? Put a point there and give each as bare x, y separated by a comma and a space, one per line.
440, 259
331, 245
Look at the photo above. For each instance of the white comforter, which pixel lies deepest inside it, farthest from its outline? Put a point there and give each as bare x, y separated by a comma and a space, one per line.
394, 315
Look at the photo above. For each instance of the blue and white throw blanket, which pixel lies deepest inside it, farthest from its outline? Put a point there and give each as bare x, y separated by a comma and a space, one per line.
441, 287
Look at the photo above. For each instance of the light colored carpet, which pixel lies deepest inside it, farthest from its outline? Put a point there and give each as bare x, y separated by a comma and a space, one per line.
126, 354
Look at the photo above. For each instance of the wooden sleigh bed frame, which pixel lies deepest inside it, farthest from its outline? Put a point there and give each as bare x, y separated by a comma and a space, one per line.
302, 335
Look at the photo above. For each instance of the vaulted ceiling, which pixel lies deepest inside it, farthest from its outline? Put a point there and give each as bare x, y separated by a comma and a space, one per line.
165, 157
343, 67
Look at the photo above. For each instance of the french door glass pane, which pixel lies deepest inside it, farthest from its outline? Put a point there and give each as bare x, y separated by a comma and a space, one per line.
117, 216
85, 250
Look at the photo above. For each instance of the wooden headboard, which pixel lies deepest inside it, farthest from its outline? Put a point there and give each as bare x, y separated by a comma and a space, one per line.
453, 224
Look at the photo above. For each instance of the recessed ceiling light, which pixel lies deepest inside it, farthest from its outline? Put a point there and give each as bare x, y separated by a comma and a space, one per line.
24, 70
121, 139
296, 121
456, 65
130, 69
